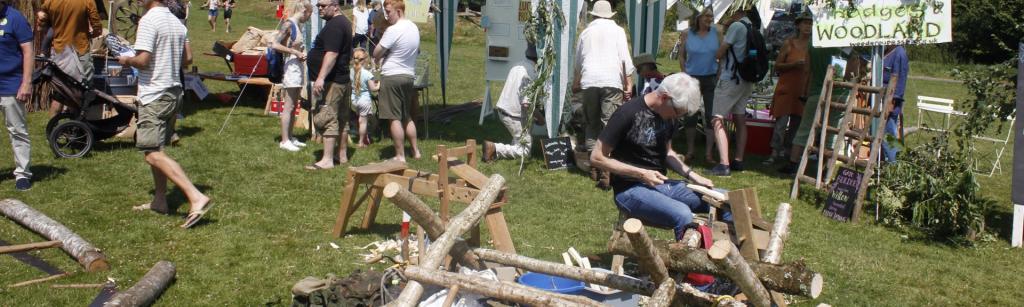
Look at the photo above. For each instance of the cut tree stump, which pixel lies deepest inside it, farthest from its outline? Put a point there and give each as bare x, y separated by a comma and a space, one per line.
684, 292
88, 256
789, 278
429, 222
728, 257
501, 290
645, 251
459, 225
148, 289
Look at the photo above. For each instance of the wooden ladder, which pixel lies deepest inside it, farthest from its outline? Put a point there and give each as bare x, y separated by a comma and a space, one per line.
825, 171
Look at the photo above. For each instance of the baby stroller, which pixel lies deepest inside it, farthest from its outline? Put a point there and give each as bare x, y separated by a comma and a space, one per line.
71, 134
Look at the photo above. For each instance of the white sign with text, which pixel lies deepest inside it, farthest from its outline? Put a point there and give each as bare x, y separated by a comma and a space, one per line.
883, 22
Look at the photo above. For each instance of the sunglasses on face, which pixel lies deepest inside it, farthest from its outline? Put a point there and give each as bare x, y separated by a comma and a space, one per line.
320, 6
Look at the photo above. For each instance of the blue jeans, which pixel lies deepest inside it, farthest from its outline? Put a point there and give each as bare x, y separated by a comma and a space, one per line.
668, 205
888, 152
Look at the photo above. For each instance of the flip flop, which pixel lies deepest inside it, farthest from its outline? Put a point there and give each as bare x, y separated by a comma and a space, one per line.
194, 217
314, 167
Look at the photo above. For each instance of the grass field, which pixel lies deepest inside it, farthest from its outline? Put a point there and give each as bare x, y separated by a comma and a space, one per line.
271, 226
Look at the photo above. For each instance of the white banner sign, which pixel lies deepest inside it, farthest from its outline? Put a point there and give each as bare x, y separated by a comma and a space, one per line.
883, 22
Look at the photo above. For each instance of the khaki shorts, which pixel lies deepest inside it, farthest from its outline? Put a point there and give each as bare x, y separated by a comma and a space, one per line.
156, 121
396, 94
731, 98
332, 116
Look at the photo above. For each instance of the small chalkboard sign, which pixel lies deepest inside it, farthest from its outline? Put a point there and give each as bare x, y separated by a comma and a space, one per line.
843, 195
557, 152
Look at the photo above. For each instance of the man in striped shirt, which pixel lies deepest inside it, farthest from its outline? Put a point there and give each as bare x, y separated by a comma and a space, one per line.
160, 45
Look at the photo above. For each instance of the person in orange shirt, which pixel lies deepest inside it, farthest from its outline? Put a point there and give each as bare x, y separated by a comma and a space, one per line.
74, 23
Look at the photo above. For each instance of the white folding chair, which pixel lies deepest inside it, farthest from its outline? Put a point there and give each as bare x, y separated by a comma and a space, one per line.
942, 106
996, 154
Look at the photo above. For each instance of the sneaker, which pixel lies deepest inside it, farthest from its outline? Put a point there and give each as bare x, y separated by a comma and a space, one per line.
736, 166
22, 184
297, 143
720, 170
788, 169
288, 146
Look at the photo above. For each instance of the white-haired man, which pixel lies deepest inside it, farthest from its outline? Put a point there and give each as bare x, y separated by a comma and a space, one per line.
636, 148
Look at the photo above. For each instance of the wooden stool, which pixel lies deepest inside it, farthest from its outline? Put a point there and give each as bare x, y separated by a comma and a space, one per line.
364, 175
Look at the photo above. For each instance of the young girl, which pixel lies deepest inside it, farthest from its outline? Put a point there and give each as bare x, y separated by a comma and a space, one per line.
363, 83
294, 74
228, 6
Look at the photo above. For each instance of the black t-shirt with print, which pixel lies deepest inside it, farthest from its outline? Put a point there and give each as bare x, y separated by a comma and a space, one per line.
336, 36
638, 137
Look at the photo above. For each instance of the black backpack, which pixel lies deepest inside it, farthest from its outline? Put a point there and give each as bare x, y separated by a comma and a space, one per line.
754, 66
275, 59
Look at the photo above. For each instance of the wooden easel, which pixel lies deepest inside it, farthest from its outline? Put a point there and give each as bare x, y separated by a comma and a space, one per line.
462, 189
825, 171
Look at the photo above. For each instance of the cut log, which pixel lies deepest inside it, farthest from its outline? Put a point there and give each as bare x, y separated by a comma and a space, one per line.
459, 225
691, 238
148, 289
789, 278
429, 222
684, 292
88, 256
780, 231
645, 251
453, 292
501, 290
728, 257
664, 295
28, 247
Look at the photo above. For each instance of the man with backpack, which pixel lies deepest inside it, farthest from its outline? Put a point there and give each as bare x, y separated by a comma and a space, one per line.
742, 52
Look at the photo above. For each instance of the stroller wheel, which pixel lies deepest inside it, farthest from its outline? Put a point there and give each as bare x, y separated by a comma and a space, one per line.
71, 139
56, 120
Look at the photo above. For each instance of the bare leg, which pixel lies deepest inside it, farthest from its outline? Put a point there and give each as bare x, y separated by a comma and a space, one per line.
163, 168
342, 146
362, 131
709, 144
691, 136
213, 23
55, 108
288, 113
741, 135
410, 133
227, 25
327, 161
721, 140
159, 202
398, 138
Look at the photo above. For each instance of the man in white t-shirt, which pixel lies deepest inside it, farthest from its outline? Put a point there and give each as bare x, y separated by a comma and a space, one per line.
398, 49
512, 109
604, 73
731, 93
160, 48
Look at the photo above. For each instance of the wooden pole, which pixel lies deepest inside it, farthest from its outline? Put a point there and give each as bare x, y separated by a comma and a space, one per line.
38, 280
28, 247
453, 292
684, 292
458, 226
149, 287
664, 295
429, 222
77, 286
88, 256
789, 278
645, 251
728, 257
501, 290
780, 231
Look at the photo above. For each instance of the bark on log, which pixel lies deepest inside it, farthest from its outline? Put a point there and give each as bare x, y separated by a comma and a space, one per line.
684, 292
459, 225
780, 231
148, 289
645, 252
728, 257
429, 222
88, 256
28, 247
691, 238
501, 290
664, 295
789, 278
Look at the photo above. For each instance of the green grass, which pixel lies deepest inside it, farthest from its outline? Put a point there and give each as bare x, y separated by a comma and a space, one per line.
272, 216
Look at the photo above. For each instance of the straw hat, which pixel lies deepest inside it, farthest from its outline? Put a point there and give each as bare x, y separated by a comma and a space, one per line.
644, 58
804, 15
602, 9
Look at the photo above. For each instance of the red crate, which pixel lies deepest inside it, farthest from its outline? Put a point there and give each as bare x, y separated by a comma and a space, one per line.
759, 136
244, 64
277, 106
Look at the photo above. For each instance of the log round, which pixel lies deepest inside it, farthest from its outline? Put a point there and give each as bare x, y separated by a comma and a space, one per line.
645, 251
780, 231
148, 289
789, 278
88, 256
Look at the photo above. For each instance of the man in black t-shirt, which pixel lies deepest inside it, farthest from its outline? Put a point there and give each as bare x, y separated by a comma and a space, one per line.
327, 63
636, 148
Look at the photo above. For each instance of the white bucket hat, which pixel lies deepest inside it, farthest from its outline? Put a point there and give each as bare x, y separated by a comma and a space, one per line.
602, 9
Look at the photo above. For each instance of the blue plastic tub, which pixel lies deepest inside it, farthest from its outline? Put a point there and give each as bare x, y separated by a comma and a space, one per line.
552, 283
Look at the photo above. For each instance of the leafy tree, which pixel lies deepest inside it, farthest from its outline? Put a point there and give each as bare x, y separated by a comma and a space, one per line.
987, 31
